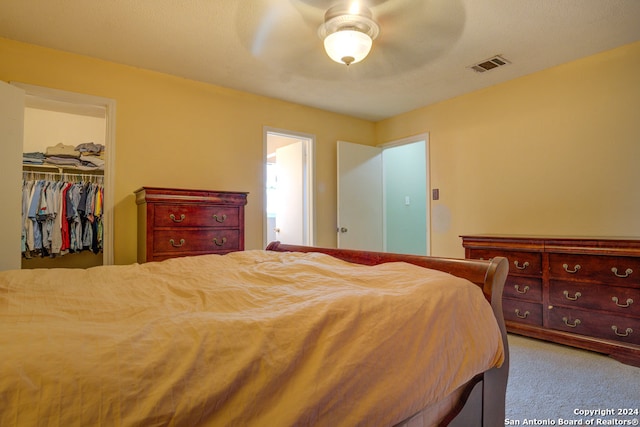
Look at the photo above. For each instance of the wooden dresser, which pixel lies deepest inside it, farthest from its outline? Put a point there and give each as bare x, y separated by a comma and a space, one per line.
583, 292
175, 222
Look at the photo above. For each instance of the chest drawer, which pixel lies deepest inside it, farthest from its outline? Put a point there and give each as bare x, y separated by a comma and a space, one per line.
179, 222
611, 327
522, 312
525, 288
614, 299
168, 215
527, 263
194, 241
615, 270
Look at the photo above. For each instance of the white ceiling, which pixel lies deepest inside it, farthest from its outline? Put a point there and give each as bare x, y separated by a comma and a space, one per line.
271, 47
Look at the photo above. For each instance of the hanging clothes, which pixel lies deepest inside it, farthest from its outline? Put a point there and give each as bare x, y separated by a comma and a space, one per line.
61, 214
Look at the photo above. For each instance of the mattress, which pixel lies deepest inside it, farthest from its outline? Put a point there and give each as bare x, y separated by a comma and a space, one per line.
248, 338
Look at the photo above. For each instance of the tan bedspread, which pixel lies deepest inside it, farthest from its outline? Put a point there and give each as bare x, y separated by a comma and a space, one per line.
250, 338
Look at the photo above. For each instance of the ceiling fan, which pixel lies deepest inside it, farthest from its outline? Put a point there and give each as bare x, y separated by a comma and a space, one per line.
387, 36
348, 32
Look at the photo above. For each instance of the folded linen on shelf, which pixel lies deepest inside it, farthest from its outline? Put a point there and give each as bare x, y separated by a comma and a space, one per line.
91, 162
62, 150
62, 161
31, 161
90, 148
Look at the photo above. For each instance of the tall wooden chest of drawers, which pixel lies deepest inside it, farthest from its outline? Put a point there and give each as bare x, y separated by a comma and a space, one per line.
176, 222
583, 292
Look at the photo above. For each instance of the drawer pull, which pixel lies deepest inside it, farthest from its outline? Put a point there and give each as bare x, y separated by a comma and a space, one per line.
522, 316
575, 268
521, 267
626, 331
627, 272
220, 218
571, 325
523, 291
629, 302
221, 242
573, 298
174, 244
174, 219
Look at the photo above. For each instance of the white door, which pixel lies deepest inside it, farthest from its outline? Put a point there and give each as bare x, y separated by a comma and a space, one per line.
290, 194
360, 197
11, 136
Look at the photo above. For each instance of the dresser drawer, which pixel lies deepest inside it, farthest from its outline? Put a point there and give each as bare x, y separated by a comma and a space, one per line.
611, 327
527, 263
589, 293
190, 241
524, 288
167, 215
522, 311
614, 299
607, 269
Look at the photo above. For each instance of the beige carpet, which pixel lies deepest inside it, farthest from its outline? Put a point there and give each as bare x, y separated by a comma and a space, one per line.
552, 383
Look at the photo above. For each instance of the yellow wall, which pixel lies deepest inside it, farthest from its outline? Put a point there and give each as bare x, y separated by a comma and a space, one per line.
555, 152
173, 132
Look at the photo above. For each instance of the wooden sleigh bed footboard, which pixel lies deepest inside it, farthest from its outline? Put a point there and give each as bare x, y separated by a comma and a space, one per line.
288, 336
482, 401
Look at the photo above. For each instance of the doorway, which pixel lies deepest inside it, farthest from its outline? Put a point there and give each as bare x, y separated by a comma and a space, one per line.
405, 182
65, 113
288, 178
383, 196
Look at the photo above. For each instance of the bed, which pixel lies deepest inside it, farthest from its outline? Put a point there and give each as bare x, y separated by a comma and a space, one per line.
287, 336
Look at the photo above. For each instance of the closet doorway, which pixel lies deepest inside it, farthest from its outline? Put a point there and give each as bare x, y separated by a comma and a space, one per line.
288, 178
53, 117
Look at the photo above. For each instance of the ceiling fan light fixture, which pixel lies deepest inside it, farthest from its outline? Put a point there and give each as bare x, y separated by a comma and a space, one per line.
348, 35
348, 46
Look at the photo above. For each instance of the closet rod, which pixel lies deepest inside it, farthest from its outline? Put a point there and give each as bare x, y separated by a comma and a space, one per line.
61, 169
26, 175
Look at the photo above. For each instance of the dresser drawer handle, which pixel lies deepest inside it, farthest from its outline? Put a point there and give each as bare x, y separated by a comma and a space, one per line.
521, 267
627, 272
573, 298
176, 245
629, 302
220, 218
522, 316
221, 242
174, 219
627, 331
575, 268
523, 291
571, 325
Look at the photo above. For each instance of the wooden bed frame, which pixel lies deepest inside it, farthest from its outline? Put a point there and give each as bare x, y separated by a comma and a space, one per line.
483, 401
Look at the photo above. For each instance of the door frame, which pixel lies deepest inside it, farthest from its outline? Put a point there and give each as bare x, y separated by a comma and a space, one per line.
86, 104
11, 147
309, 185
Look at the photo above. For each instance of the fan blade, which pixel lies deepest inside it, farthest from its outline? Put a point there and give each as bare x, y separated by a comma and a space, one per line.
284, 35
268, 27
414, 33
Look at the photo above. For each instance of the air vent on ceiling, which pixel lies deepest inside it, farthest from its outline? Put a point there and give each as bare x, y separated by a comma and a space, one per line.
489, 64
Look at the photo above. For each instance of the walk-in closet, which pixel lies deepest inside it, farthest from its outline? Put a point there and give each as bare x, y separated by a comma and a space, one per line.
66, 175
